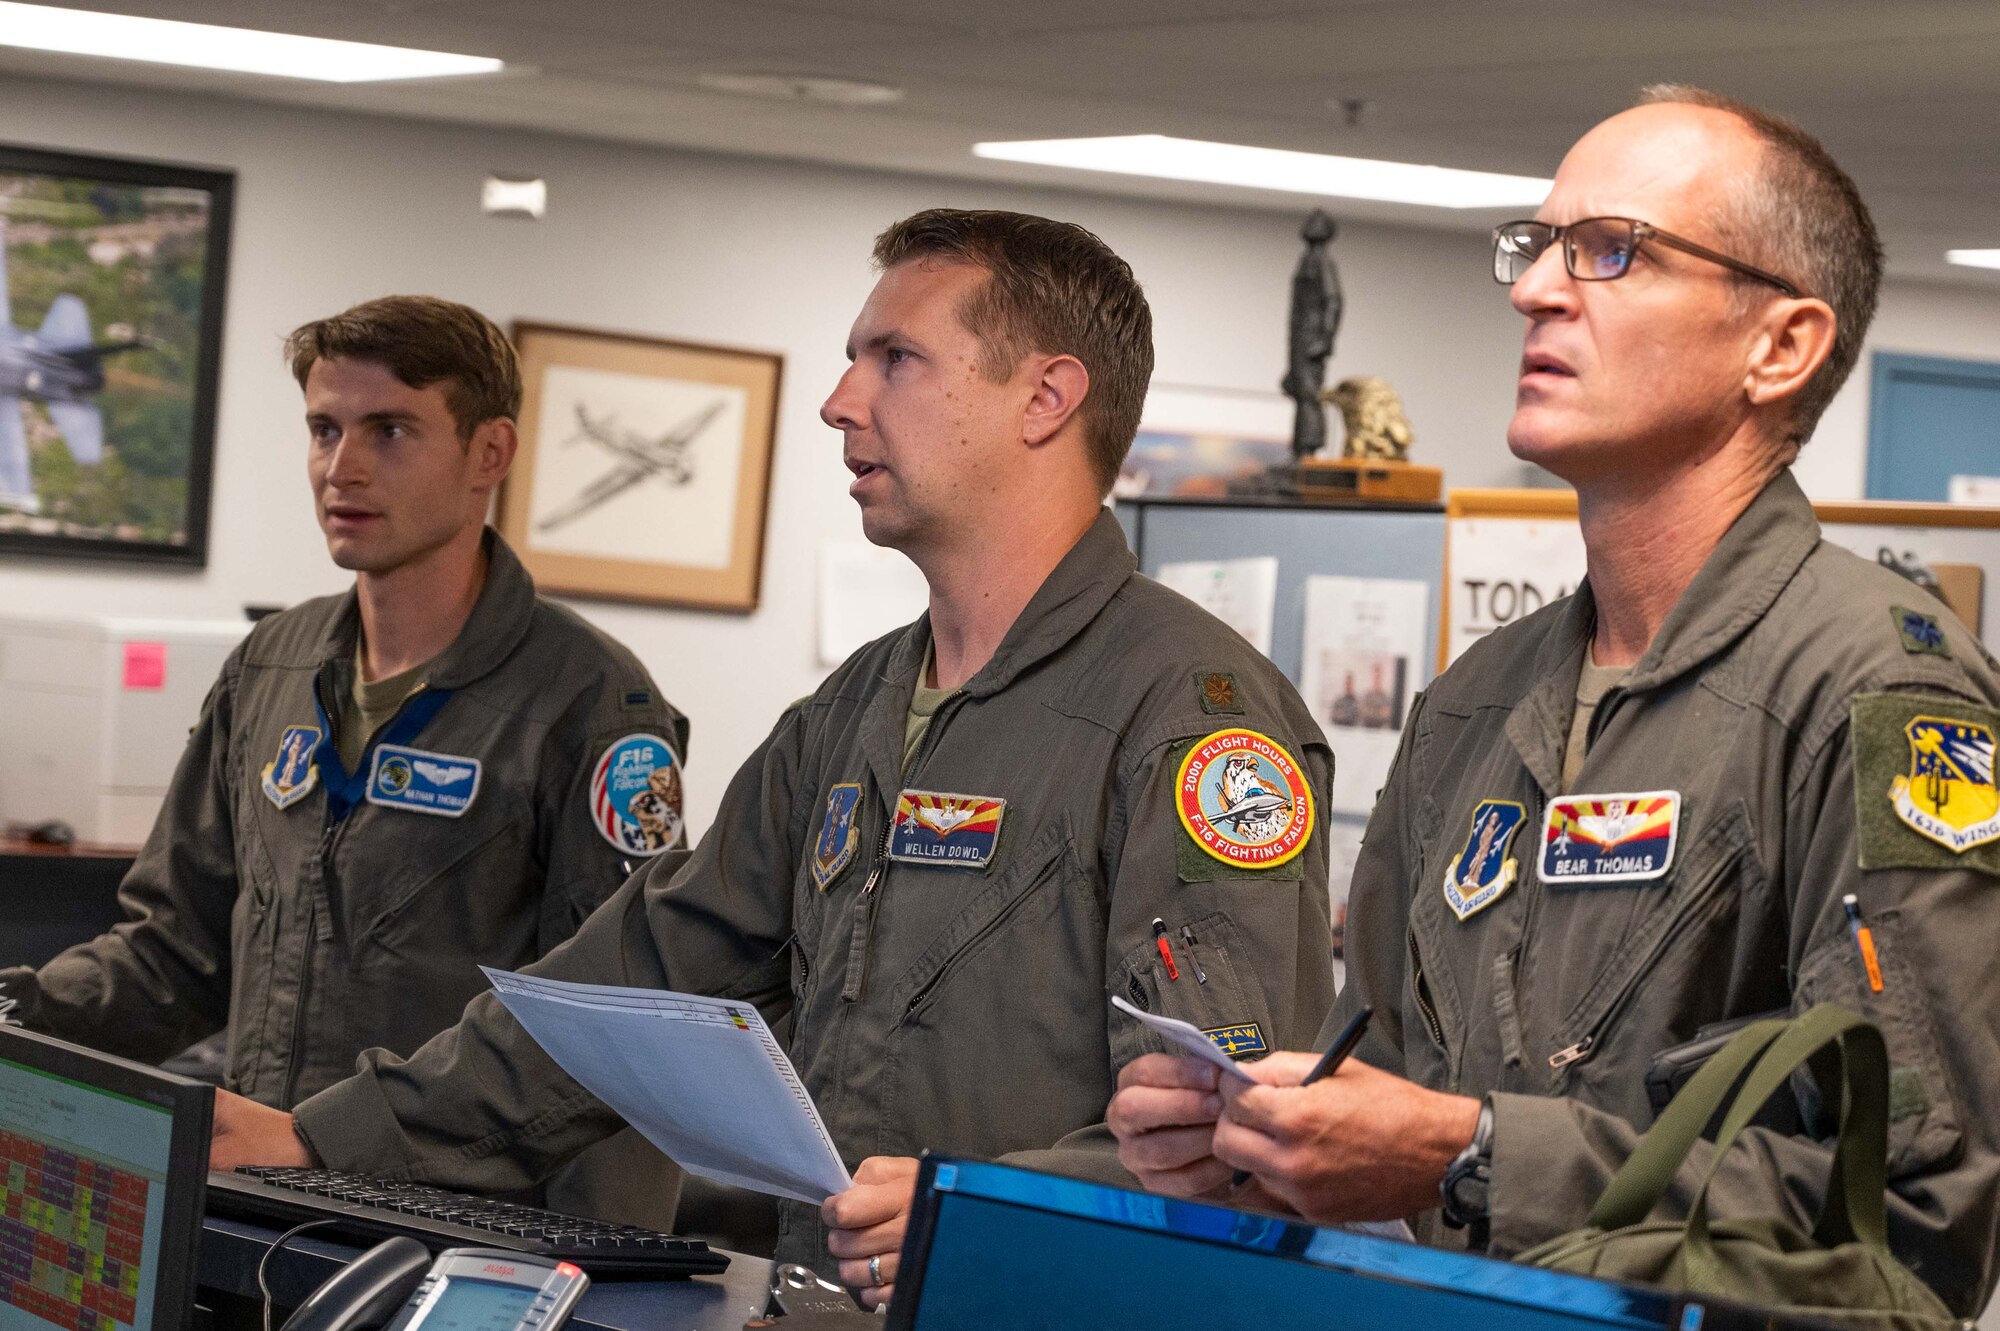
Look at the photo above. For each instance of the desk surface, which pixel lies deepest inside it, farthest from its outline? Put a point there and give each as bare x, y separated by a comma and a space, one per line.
231, 1249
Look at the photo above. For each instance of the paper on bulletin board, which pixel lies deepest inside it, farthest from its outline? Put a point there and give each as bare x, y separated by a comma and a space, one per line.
864, 592
1242, 593
1363, 661
1501, 569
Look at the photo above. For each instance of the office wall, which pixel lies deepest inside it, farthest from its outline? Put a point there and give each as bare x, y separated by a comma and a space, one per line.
333, 209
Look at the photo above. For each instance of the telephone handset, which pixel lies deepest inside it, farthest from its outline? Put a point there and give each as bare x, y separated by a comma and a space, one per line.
396, 1284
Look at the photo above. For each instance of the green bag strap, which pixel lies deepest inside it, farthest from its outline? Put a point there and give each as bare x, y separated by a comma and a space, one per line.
1647, 1173
1854, 1207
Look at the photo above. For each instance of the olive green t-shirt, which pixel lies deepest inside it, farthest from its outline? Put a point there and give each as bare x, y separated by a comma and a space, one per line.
369, 705
1591, 685
923, 706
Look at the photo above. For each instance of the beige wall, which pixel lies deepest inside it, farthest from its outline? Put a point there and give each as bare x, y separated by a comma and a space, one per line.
333, 209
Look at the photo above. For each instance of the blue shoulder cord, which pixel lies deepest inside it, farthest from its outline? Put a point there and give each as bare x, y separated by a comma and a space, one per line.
344, 791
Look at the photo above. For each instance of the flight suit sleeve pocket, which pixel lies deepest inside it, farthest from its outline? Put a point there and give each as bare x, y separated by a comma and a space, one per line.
1923, 1116
1221, 1006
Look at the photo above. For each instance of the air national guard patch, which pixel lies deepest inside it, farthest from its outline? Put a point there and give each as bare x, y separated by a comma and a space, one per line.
635, 795
1239, 1042
838, 834
948, 831
291, 776
422, 782
1610, 838
1481, 872
1244, 800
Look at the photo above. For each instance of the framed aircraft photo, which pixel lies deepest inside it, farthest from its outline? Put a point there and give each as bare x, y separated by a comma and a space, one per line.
110, 340
645, 467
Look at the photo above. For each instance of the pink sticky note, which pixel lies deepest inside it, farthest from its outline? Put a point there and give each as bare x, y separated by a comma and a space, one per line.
145, 665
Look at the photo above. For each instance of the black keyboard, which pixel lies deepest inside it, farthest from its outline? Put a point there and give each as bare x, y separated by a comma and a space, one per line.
370, 1209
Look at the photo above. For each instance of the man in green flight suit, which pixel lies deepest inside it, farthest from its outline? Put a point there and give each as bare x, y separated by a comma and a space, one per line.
1642, 810
945, 862
386, 789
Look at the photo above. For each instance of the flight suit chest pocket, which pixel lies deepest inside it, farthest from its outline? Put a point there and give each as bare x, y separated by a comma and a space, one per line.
1203, 989
1923, 1116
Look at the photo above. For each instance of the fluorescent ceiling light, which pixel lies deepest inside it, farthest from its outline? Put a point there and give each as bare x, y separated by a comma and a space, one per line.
1276, 168
1973, 258
239, 50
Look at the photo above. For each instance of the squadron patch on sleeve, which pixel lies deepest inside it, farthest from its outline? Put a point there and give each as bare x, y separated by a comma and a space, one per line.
291, 776
1924, 782
1919, 632
635, 795
838, 834
1482, 871
1242, 801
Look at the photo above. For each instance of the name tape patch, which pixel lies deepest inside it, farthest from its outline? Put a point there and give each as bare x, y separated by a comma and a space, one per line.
1610, 838
1239, 1042
950, 831
1244, 800
420, 781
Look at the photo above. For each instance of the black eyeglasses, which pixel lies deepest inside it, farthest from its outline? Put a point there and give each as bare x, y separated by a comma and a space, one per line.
1600, 249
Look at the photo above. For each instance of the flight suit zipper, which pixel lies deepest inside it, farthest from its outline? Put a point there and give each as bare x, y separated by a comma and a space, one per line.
864, 903
1422, 990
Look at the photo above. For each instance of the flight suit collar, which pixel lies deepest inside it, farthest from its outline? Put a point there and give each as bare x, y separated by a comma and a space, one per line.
1740, 580
1073, 594
499, 621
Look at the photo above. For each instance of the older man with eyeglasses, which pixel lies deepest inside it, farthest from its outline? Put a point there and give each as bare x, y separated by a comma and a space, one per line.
1645, 810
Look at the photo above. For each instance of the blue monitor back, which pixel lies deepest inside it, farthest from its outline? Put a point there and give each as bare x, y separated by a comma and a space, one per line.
991, 1246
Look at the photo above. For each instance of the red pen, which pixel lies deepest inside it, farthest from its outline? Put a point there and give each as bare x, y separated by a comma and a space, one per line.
1166, 948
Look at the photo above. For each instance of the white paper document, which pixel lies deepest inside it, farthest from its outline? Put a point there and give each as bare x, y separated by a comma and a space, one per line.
1363, 660
1242, 593
702, 1078
1184, 1034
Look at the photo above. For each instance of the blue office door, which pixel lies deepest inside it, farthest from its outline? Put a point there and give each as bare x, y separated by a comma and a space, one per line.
1929, 420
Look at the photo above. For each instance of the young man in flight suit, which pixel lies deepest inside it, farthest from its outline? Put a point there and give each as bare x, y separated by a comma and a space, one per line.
386, 788
1637, 812
945, 862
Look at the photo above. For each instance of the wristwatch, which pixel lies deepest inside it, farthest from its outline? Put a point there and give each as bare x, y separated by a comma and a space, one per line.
1468, 1180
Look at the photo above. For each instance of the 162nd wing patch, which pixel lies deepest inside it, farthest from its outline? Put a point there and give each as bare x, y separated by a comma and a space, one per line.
1924, 782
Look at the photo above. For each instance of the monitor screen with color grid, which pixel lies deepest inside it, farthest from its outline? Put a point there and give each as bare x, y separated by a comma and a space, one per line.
991, 1247
102, 1168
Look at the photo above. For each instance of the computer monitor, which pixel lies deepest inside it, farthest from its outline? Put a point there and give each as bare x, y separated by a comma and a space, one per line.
102, 1167
992, 1246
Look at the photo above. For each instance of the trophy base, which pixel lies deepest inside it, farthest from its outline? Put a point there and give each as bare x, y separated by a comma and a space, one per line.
1364, 479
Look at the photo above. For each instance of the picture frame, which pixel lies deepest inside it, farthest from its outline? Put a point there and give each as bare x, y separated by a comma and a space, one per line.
113, 283
644, 472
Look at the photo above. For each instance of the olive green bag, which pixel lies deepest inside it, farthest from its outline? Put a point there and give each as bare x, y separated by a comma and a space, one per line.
1842, 1272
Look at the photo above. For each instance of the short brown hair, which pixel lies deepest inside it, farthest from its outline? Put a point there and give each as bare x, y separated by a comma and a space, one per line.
1051, 287
1802, 218
422, 340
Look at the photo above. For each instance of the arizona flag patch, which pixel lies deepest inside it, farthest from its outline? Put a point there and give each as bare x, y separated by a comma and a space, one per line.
1610, 838
949, 831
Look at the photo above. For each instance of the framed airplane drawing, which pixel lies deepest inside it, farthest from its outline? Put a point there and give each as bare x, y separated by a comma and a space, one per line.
645, 467
111, 289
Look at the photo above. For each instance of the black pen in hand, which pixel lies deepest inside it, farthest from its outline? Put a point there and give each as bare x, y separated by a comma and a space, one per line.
1329, 1063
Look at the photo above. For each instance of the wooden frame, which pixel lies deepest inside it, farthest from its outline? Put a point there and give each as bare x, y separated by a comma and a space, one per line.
645, 467
113, 426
